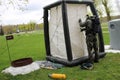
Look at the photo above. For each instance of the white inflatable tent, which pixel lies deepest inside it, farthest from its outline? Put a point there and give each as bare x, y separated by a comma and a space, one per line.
64, 41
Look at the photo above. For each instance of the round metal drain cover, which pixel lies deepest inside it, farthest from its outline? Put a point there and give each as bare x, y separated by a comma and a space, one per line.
21, 62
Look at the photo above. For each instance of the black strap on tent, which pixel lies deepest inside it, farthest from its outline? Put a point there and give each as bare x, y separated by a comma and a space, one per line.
66, 31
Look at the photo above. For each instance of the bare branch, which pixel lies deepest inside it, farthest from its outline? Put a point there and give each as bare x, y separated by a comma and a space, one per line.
16, 4
106, 6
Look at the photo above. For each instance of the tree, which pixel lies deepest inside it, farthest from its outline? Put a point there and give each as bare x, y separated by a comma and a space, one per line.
97, 4
100, 4
31, 26
1, 30
16, 4
107, 9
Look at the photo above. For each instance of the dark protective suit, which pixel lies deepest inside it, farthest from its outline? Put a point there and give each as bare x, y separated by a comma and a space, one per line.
90, 28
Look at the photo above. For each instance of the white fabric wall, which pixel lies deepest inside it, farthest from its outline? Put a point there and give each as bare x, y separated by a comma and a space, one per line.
56, 33
78, 43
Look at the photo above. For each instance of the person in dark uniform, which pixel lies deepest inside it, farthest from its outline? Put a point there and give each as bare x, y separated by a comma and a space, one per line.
90, 28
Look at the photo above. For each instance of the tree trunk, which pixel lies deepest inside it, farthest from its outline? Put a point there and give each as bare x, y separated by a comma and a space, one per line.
107, 9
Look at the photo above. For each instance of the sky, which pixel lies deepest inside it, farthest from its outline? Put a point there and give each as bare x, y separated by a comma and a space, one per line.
33, 11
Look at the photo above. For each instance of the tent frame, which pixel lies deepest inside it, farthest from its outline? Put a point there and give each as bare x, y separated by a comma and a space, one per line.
70, 61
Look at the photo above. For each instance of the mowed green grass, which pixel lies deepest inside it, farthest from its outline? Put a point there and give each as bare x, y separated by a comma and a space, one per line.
32, 45
22, 46
107, 69
106, 34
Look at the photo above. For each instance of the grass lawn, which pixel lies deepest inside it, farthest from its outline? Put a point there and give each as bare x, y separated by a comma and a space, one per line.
32, 45
23, 45
105, 33
107, 69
